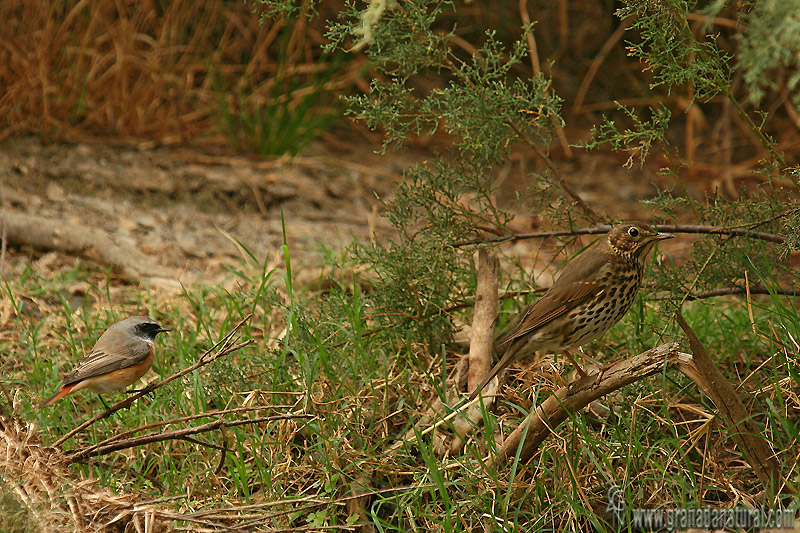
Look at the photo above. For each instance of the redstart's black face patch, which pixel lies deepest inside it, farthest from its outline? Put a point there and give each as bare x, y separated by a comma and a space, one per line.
149, 330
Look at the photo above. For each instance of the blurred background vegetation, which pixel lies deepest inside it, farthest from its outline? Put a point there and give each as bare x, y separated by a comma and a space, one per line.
701, 97
183, 71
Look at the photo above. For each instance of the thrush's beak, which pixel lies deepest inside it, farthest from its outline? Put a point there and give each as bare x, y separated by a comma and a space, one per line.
661, 236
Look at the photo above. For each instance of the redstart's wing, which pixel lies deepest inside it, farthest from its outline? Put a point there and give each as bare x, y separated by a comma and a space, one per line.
112, 351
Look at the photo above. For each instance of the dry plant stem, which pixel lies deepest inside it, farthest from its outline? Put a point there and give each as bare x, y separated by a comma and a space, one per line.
578, 394
49, 234
603, 228
567, 188
481, 345
737, 418
223, 347
226, 514
177, 434
597, 62
533, 52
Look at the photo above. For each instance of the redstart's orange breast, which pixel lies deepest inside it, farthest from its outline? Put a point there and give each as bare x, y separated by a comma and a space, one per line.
122, 355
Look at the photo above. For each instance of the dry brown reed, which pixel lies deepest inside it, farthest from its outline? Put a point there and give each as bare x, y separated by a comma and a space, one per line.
54, 500
136, 69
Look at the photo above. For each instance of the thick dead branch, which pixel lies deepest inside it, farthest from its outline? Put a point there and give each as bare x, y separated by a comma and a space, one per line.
47, 234
578, 394
747, 436
471, 369
481, 346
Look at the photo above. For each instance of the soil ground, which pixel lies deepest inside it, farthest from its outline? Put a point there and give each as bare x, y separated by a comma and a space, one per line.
185, 208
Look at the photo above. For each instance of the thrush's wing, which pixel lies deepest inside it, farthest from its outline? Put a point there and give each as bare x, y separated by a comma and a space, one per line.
112, 351
577, 284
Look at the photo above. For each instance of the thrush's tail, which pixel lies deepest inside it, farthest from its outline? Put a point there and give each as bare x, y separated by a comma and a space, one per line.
60, 393
508, 357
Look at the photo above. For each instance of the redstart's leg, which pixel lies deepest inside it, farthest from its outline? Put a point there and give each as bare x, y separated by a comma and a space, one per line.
135, 391
103, 401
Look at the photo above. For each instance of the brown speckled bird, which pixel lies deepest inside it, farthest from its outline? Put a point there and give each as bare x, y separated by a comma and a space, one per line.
593, 293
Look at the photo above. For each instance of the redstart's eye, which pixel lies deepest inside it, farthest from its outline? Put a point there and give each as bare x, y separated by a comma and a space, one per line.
633, 232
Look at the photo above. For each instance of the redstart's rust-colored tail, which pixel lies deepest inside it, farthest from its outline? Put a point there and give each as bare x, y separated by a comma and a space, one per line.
63, 391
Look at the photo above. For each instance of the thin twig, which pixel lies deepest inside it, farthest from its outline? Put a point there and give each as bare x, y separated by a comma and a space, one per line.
177, 435
236, 410
204, 444
588, 211
511, 237
604, 228
224, 347
726, 291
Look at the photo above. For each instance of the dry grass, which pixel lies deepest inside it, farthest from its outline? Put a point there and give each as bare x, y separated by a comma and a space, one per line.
54, 500
663, 443
136, 69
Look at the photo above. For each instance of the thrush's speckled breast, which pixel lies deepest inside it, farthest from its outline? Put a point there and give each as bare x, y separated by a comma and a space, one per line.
592, 294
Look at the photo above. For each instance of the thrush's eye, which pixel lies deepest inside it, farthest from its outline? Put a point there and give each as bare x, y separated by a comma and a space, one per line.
633, 232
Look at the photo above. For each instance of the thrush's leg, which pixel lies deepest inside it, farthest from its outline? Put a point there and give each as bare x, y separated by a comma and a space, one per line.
572, 360
601, 367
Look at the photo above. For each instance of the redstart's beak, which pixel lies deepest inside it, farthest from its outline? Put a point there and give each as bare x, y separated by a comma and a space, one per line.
163, 330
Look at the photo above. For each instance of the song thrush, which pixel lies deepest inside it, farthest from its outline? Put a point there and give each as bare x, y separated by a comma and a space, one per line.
593, 293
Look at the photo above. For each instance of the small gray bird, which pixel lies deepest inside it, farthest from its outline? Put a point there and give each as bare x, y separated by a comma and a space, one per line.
593, 293
122, 355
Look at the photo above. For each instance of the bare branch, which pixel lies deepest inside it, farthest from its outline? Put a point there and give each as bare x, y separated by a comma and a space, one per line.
177, 434
481, 346
236, 410
603, 228
44, 233
727, 291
